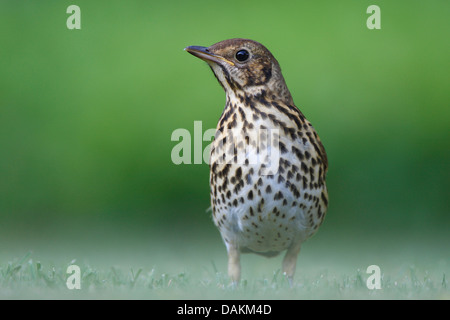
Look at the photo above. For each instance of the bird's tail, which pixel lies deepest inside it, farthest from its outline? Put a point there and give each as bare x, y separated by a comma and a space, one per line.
267, 254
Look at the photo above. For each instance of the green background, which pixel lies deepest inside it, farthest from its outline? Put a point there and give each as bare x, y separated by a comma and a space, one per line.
86, 118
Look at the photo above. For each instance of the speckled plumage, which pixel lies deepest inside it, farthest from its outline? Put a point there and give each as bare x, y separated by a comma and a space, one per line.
257, 209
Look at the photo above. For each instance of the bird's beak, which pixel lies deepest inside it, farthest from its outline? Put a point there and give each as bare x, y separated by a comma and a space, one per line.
204, 54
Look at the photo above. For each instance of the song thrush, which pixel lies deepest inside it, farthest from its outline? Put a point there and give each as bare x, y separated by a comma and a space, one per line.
259, 207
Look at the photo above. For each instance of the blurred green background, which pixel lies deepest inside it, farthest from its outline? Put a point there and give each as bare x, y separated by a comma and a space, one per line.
86, 116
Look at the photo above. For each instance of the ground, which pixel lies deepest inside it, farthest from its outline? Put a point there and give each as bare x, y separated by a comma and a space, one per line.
158, 265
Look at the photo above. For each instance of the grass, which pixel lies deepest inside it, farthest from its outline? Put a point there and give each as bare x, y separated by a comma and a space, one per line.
197, 270
27, 278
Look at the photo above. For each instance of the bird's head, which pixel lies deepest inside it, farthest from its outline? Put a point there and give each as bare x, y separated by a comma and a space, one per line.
244, 68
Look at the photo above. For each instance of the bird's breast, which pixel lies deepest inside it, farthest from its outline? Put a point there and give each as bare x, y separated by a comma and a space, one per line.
266, 189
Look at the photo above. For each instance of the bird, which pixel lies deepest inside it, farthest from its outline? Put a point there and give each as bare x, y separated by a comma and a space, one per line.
267, 163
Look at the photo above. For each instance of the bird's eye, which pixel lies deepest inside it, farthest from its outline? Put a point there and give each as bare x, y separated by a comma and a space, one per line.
242, 55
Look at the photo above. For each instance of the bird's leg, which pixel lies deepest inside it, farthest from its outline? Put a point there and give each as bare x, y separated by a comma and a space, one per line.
234, 265
290, 261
